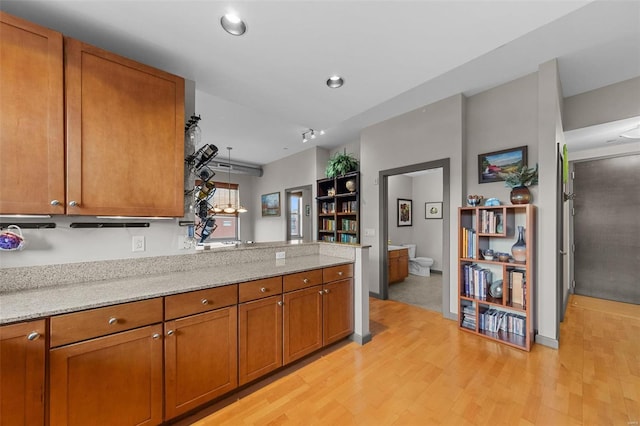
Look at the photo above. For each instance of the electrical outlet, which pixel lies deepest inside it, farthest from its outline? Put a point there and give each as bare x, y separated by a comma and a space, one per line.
185, 242
280, 255
137, 243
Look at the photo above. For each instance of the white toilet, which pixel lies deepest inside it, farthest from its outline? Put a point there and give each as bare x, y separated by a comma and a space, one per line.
418, 265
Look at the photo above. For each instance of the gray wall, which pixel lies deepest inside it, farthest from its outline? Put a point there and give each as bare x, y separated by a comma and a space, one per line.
429, 133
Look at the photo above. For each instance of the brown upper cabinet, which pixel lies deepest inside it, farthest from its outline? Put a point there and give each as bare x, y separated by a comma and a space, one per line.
123, 126
32, 118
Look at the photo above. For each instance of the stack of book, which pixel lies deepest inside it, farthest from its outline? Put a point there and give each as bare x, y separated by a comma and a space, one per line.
494, 320
346, 238
517, 285
489, 222
349, 206
349, 225
328, 224
328, 208
476, 281
469, 317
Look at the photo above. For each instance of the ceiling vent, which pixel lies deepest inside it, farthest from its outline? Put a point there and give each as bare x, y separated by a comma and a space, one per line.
240, 169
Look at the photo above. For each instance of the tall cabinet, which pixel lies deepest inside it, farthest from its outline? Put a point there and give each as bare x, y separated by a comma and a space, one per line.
502, 312
338, 204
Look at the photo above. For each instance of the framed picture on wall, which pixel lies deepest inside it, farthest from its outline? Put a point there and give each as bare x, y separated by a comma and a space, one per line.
404, 212
433, 210
271, 204
491, 164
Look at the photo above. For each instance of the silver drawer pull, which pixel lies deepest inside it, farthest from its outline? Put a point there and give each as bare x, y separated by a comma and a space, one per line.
55, 202
339, 273
113, 320
306, 281
263, 290
73, 204
326, 291
204, 301
280, 303
170, 333
156, 336
321, 292
34, 335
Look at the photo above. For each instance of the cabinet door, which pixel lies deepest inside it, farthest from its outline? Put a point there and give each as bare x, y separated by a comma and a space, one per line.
31, 122
125, 135
302, 323
201, 359
403, 267
394, 270
22, 349
260, 338
112, 380
337, 308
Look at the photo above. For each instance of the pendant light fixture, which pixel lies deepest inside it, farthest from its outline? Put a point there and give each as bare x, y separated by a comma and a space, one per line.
231, 209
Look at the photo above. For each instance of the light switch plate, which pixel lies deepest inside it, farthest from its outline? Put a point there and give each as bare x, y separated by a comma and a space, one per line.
280, 255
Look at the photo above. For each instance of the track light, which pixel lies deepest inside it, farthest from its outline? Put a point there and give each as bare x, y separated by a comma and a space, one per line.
310, 134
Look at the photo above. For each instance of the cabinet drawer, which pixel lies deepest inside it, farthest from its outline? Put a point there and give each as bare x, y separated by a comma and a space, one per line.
393, 254
258, 289
335, 273
195, 302
302, 280
85, 325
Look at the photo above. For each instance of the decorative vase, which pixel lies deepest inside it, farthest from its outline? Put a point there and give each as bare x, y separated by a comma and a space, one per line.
350, 185
519, 249
520, 195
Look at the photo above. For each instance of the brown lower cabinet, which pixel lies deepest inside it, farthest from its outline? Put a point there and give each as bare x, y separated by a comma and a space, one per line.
259, 338
200, 359
110, 380
107, 365
22, 373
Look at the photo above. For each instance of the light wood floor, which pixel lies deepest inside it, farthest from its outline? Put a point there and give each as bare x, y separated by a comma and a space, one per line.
419, 369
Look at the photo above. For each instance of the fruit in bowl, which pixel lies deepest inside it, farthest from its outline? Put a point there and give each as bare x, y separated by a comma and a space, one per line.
474, 200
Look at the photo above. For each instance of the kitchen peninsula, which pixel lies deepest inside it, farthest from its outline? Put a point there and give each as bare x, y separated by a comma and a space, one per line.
234, 302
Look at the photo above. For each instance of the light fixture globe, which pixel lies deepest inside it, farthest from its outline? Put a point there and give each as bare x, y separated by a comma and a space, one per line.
233, 24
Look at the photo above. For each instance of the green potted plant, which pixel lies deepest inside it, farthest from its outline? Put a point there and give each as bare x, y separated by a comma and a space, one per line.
519, 180
340, 164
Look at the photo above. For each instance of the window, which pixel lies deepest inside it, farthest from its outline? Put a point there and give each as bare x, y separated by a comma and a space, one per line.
295, 215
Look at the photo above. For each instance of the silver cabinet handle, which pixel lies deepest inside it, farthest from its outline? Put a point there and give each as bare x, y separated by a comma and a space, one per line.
263, 290
280, 303
170, 333
113, 320
156, 336
339, 273
34, 335
55, 202
306, 281
326, 291
204, 301
73, 204
321, 292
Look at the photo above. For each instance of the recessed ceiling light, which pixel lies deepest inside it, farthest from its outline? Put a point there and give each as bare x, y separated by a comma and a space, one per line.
233, 24
335, 81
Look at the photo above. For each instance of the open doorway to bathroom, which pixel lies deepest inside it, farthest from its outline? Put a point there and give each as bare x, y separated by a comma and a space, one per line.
425, 234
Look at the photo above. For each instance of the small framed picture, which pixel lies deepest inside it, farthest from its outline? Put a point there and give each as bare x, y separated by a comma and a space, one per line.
271, 204
433, 210
404, 212
490, 165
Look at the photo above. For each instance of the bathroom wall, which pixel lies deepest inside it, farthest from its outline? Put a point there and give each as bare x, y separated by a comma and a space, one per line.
426, 234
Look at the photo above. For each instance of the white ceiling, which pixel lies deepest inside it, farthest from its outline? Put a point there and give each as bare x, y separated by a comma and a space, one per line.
267, 87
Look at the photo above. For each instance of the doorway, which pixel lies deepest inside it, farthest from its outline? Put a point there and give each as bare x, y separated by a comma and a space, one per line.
606, 227
298, 211
385, 218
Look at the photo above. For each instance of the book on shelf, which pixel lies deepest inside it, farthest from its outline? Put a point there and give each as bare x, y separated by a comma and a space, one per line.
328, 224
476, 281
468, 243
328, 207
516, 287
346, 238
494, 320
490, 221
349, 225
349, 206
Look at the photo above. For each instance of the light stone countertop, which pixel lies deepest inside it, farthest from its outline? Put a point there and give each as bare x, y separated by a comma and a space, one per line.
43, 302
